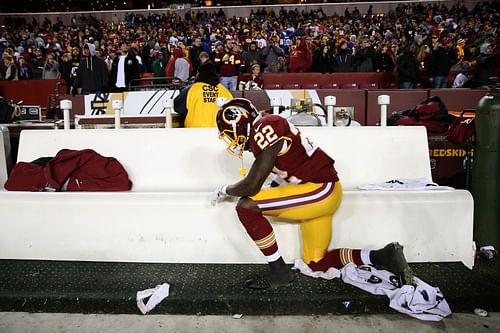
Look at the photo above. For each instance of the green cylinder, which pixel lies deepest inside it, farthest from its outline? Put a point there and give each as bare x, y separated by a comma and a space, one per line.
486, 171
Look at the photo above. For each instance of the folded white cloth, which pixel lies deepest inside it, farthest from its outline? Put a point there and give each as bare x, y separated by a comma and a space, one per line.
405, 185
156, 295
302, 267
423, 302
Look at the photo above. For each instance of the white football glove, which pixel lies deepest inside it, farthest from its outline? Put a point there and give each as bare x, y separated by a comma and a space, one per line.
218, 195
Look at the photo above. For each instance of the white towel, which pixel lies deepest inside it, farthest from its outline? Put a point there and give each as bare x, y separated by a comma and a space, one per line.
405, 185
302, 267
423, 302
156, 295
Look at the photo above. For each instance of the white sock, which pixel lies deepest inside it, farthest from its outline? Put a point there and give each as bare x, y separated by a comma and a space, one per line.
273, 257
365, 257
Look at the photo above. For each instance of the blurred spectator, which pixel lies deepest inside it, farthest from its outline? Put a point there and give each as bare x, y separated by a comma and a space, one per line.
460, 51
178, 66
109, 59
229, 64
384, 62
322, 59
300, 59
423, 56
278, 66
486, 64
159, 67
365, 56
271, 52
50, 68
343, 61
92, 74
37, 63
25, 71
69, 66
10, 68
440, 62
407, 68
254, 80
126, 67
462, 77
203, 57
252, 56
194, 53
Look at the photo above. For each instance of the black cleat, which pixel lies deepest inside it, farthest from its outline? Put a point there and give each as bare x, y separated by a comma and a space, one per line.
392, 259
269, 281
279, 276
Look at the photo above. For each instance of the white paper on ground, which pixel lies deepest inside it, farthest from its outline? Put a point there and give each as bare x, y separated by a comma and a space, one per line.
156, 295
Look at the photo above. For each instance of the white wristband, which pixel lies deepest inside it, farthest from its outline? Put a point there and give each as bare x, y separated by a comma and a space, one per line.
223, 190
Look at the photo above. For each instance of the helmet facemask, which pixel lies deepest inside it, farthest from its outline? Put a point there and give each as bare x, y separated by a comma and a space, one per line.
236, 143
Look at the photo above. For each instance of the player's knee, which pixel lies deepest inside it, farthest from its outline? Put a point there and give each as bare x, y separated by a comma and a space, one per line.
248, 203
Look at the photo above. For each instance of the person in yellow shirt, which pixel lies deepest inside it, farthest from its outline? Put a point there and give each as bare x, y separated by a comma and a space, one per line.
196, 104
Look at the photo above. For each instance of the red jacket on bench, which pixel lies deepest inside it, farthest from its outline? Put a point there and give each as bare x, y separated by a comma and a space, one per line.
85, 170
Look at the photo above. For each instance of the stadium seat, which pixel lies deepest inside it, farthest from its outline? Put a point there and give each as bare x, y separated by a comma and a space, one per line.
311, 86
329, 86
389, 86
368, 86
272, 86
291, 86
349, 86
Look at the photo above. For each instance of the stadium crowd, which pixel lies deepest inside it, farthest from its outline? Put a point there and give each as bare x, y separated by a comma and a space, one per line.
422, 43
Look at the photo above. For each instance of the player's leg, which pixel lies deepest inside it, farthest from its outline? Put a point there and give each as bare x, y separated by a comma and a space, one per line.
262, 233
288, 201
295, 202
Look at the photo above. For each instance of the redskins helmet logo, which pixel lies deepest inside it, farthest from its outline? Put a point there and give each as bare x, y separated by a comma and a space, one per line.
233, 114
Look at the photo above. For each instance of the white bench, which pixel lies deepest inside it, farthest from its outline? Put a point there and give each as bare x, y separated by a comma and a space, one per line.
167, 217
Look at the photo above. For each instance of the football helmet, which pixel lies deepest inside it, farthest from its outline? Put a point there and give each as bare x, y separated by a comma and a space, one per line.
234, 121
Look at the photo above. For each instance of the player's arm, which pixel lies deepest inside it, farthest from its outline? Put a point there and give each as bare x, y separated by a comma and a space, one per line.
260, 169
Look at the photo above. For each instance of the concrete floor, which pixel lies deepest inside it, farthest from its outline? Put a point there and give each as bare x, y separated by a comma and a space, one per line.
21, 322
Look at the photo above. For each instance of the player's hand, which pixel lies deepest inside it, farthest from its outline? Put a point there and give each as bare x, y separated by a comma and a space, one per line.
218, 195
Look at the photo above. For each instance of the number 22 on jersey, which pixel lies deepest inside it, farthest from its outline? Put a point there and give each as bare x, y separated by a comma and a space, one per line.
265, 137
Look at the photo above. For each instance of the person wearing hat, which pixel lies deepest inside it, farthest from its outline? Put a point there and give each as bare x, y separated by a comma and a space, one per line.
459, 50
252, 56
92, 74
196, 103
343, 60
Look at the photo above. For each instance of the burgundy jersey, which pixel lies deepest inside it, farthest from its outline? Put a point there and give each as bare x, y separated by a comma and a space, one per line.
299, 161
230, 67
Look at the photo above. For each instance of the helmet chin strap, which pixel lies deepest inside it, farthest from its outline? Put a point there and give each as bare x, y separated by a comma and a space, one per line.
243, 170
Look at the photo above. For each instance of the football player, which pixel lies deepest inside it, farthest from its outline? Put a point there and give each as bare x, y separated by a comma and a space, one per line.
308, 191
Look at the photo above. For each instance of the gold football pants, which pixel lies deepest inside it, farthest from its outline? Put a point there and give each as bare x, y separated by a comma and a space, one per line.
310, 204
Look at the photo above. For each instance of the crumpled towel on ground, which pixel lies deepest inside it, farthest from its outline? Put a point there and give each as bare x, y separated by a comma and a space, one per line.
421, 301
156, 295
405, 185
302, 267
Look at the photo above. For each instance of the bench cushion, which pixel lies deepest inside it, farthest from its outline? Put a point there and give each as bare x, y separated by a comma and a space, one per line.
184, 227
